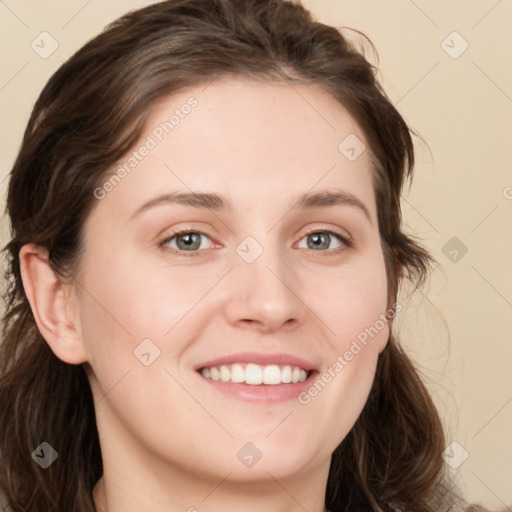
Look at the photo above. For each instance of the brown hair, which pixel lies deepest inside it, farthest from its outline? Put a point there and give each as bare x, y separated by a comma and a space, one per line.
88, 115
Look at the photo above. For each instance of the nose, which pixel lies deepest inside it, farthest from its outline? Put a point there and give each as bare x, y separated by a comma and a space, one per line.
265, 295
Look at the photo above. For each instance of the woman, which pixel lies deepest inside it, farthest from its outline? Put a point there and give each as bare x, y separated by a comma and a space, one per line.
205, 261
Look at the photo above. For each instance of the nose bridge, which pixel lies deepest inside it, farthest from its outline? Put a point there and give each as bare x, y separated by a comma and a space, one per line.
263, 265
263, 286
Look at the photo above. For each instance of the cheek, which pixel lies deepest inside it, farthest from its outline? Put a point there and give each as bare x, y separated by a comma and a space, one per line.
352, 303
132, 318
354, 310
125, 304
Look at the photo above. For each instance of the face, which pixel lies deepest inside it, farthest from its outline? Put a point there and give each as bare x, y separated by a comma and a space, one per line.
198, 343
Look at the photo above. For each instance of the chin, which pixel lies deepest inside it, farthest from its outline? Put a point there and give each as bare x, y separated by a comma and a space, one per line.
277, 458
279, 466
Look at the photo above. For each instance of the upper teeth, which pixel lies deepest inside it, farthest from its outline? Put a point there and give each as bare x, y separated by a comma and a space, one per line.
255, 374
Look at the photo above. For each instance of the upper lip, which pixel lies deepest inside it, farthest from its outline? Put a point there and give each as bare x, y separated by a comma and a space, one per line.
280, 359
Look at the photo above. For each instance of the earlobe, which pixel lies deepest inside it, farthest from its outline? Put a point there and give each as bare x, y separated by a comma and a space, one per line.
50, 300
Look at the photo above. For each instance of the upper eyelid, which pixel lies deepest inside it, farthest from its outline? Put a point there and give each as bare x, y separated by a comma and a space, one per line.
327, 230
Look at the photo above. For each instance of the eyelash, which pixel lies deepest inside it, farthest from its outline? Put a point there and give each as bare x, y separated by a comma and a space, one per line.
347, 242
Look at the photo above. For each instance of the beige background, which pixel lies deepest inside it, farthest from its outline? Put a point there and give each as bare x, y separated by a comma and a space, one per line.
459, 329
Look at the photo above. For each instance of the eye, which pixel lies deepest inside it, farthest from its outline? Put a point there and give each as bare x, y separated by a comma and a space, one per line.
322, 240
186, 241
191, 242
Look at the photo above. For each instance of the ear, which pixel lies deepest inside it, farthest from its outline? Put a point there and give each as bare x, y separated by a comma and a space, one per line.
392, 300
53, 305
384, 340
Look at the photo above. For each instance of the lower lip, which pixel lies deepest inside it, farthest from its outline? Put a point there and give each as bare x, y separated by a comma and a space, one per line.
263, 392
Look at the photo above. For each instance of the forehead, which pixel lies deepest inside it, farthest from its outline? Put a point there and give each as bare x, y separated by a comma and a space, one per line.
257, 143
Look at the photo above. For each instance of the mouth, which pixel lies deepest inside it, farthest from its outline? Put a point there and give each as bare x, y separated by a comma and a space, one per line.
256, 375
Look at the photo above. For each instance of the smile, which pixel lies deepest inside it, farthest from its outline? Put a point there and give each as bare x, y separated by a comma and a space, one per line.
255, 375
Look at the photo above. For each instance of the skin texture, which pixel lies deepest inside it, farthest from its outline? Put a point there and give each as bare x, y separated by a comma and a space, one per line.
169, 438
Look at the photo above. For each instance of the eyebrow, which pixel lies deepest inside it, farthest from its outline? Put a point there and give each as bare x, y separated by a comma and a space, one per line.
217, 202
